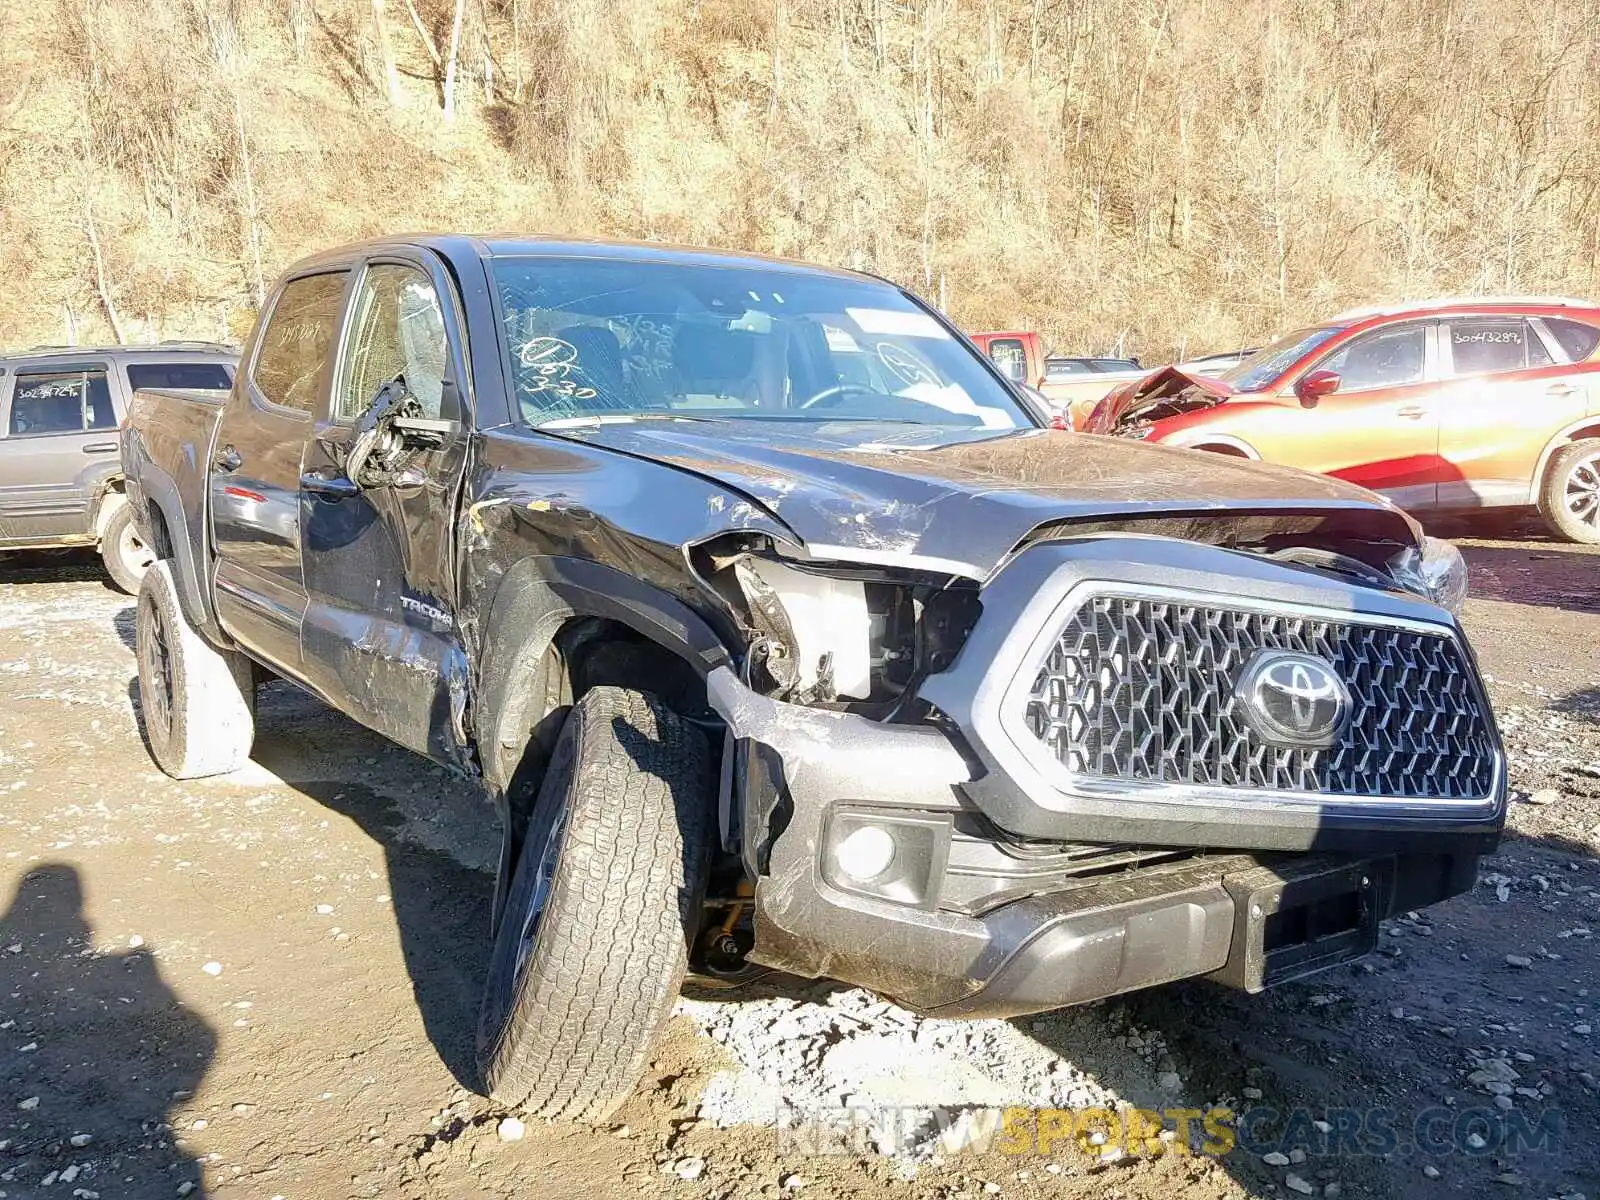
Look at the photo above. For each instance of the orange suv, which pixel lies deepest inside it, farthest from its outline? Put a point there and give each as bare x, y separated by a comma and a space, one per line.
1442, 405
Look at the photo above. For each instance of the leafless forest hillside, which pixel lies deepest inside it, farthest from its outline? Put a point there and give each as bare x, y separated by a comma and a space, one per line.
1160, 175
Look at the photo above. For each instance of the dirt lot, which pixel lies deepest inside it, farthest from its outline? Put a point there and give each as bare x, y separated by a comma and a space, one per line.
265, 985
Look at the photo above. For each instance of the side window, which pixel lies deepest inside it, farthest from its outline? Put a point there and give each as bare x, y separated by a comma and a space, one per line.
298, 341
1383, 358
60, 402
1479, 344
1011, 358
396, 328
205, 376
1576, 338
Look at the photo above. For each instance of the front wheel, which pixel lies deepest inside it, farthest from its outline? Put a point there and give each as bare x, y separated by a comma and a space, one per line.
124, 552
607, 896
1570, 495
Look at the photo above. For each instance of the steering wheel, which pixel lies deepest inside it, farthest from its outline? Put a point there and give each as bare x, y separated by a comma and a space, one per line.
838, 389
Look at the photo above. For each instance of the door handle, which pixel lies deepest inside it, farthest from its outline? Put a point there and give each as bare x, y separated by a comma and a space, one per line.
1560, 389
100, 448
335, 487
229, 460
1412, 412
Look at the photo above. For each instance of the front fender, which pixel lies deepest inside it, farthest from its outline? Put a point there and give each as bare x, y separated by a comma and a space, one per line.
534, 599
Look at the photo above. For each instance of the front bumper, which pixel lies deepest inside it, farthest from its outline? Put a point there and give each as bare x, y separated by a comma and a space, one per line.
1004, 928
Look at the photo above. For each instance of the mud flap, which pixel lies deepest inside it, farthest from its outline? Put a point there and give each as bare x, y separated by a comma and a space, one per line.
1296, 919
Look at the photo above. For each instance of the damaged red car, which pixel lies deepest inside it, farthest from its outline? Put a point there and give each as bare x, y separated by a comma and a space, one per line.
1442, 405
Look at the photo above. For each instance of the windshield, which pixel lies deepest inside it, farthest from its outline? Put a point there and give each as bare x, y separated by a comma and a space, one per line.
1264, 366
613, 339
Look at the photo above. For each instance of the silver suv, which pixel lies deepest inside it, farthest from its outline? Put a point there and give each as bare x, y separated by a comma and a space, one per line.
60, 474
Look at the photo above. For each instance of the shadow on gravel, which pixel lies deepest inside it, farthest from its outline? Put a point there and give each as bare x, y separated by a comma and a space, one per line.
441, 909
54, 566
1372, 1074
100, 1054
126, 622
1549, 574
1584, 703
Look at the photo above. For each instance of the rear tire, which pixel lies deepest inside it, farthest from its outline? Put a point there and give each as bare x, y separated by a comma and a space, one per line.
607, 896
124, 552
198, 702
1569, 497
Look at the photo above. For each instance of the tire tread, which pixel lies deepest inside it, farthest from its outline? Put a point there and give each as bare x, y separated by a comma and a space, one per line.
611, 950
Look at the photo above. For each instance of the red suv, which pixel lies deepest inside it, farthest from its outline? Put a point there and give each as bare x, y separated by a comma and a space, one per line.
1440, 404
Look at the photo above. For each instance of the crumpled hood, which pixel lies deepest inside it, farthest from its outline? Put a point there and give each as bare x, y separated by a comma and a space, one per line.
1161, 392
959, 501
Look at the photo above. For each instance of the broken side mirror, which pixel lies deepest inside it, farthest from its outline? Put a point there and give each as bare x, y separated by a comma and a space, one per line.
1314, 385
390, 434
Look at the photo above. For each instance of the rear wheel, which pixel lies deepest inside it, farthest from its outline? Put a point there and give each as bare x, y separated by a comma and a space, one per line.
198, 702
124, 552
1570, 495
607, 896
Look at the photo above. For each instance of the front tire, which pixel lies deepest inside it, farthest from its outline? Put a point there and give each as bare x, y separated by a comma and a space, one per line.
1570, 495
593, 944
124, 552
198, 701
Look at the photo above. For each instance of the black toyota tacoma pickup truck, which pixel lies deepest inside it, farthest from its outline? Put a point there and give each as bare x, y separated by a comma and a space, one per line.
781, 632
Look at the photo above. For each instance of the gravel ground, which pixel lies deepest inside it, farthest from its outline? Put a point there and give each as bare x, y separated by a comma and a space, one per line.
265, 985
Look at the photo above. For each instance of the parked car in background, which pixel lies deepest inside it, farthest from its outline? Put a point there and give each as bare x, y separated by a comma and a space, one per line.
61, 480
1073, 385
779, 632
1061, 367
1215, 364
1443, 405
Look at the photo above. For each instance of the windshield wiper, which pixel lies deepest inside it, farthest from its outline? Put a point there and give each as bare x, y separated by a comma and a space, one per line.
592, 420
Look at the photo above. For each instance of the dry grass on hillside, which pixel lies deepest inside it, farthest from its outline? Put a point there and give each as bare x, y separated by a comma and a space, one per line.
1156, 175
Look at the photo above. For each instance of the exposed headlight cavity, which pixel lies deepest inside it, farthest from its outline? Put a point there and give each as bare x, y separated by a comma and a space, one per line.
827, 618
850, 635
1435, 571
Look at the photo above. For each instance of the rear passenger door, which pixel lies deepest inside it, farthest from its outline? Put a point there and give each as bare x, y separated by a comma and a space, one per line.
255, 471
1509, 388
380, 636
58, 444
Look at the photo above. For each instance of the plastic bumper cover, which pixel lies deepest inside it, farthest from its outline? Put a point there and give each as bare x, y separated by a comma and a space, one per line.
1249, 920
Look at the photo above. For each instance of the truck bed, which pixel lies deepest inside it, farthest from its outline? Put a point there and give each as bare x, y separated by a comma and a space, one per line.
166, 451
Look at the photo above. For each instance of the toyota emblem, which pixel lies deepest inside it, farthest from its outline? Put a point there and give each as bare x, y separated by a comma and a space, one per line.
1293, 699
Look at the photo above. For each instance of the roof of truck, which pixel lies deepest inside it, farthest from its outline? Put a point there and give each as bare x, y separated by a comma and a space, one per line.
523, 245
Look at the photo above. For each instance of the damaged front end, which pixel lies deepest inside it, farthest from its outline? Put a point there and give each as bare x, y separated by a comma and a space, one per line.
993, 797
1132, 409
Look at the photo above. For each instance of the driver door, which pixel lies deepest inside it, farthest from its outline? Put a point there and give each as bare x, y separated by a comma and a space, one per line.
380, 637
1380, 429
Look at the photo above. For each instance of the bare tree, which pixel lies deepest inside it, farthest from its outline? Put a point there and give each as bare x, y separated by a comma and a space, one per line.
391, 72
450, 65
102, 284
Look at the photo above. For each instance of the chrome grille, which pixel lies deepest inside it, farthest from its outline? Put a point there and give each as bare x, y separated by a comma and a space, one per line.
1142, 689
